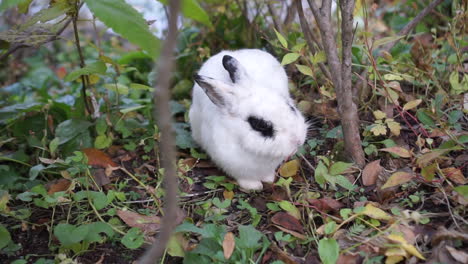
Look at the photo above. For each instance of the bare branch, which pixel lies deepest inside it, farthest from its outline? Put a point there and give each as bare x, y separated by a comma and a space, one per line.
310, 38
274, 17
412, 24
161, 97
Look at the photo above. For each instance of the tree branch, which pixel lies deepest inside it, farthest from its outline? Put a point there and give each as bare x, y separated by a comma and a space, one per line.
412, 24
161, 97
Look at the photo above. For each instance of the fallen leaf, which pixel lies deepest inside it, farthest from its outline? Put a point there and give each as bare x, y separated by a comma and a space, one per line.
371, 173
458, 255
177, 245
455, 175
405, 245
394, 127
228, 194
98, 158
427, 158
326, 204
289, 168
348, 259
228, 245
59, 185
379, 129
429, 172
100, 177
287, 221
290, 208
398, 178
399, 151
376, 213
148, 224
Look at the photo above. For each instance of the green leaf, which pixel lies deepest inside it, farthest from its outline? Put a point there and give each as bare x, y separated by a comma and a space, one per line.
345, 183
54, 143
117, 88
193, 10
248, 237
5, 4
34, 171
69, 129
290, 208
281, 39
5, 237
339, 167
97, 67
99, 199
425, 118
290, 57
133, 239
321, 173
463, 190
57, 9
95, 229
102, 142
126, 21
306, 70
319, 57
330, 227
69, 234
328, 250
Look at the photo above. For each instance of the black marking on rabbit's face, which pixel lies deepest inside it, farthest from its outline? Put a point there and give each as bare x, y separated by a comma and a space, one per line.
293, 109
261, 125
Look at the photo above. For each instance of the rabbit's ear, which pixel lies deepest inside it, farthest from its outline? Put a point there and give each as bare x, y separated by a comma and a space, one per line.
237, 73
219, 92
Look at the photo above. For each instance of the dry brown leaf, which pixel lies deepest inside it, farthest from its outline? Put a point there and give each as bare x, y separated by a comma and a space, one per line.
326, 204
455, 175
427, 158
348, 259
458, 255
287, 221
98, 158
100, 177
148, 224
371, 173
398, 178
399, 151
294, 233
59, 185
229, 244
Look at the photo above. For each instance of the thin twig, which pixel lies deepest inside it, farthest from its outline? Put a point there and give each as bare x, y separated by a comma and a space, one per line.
84, 78
161, 98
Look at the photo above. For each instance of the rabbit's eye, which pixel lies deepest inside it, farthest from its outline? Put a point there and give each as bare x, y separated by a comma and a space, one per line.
261, 125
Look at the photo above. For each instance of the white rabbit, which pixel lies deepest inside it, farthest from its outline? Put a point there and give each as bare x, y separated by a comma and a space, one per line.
243, 116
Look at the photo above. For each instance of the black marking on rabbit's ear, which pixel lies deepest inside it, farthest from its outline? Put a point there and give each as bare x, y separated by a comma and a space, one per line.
233, 67
210, 90
261, 125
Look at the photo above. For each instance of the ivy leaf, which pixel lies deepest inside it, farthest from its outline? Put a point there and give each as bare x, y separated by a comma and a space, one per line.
378, 129
133, 239
126, 21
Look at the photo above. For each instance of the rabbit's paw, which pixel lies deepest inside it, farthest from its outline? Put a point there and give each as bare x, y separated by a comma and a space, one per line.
250, 184
270, 178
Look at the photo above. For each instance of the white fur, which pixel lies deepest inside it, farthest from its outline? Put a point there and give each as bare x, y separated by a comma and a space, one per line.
224, 133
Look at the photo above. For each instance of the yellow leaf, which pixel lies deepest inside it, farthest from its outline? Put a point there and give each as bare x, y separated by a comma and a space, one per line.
228, 194
376, 213
229, 243
379, 114
379, 129
289, 168
393, 259
412, 104
397, 178
405, 245
399, 151
393, 126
